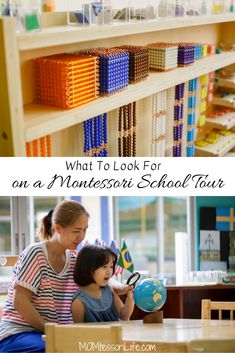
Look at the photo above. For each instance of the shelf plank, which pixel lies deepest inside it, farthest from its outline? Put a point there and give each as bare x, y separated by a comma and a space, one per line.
63, 35
225, 122
228, 101
218, 149
41, 120
225, 82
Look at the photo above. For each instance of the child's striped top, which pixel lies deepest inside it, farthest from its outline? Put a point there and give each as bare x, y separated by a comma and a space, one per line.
52, 292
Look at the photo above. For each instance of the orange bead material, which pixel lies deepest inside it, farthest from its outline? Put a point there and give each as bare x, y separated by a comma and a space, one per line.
39, 148
28, 149
66, 80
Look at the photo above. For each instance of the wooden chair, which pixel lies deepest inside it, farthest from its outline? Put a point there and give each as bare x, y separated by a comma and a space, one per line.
208, 305
81, 338
8, 260
212, 346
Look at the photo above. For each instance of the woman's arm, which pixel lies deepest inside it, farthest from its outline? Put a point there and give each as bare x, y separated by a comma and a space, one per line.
124, 310
78, 310
22, 301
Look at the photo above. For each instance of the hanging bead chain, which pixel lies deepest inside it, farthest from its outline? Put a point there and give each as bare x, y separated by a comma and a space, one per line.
159, 124
178, 120
39, 148
96, 136
127, 130
204, 80
191, 116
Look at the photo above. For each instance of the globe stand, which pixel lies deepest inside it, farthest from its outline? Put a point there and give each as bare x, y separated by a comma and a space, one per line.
156, 317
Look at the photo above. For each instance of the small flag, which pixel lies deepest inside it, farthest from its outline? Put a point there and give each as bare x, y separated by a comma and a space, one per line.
99, 242
125, 260
225, 218
85, 243
114, 248
118, 270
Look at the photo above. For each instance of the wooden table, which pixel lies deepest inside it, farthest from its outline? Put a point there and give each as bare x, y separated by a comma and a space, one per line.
174, 335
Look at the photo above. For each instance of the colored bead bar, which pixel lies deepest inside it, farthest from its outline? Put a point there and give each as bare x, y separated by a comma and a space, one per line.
191, 116
66, 80
163, 56
178, 120
204, 80
159, 124
185, 54
96, 136
113, 69
197, 51
138, 62
127, 130
39, 148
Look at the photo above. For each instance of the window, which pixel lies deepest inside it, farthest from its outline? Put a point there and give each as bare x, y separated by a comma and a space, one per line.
5, 225
38, 208
148, 225
16, 230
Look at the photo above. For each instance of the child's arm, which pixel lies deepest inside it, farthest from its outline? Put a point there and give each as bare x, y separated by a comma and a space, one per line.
124, 311
78, 310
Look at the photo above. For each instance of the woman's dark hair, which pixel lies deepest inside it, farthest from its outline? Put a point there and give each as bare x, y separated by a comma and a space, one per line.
65, 213
89, 259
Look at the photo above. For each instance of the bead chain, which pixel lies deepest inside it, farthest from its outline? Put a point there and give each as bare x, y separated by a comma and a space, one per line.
127, 130
96, 136
39, 148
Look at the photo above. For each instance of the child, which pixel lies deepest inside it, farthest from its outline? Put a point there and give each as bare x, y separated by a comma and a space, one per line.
95, 301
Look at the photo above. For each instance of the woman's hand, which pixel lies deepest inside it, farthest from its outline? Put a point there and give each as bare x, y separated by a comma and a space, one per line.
22, 301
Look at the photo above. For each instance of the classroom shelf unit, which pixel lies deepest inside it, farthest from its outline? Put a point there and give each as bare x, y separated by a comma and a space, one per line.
218, 149
227, 83
22, 120
227, 101
225, 122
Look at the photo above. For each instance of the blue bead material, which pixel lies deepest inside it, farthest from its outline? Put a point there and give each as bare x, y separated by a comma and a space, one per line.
96, 136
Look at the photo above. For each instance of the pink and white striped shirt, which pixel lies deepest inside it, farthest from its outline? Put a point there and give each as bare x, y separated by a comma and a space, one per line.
52, 292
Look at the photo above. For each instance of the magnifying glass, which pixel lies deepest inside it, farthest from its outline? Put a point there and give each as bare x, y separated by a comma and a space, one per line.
132, 280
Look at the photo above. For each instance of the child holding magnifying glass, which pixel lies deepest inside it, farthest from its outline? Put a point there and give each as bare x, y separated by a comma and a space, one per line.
95, 301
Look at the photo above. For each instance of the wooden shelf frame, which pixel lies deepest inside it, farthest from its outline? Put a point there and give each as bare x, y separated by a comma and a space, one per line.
41, 120
222, 82
225, 122
217, 100
219, 149
63, 35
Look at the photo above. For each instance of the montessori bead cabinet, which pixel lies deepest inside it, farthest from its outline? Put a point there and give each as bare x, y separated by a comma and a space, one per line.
23, 120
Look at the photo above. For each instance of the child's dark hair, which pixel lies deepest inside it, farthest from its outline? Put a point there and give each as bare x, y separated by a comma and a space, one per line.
89, 259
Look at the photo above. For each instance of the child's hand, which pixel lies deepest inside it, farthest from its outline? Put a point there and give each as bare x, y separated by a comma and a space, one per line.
123, 289
130, 293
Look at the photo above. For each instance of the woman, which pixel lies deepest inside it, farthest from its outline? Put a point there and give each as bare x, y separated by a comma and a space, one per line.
42, 286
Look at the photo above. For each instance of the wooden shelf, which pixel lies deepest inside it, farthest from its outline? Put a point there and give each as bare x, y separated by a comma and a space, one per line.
41, 120
218, 149
225, 122
225, 83
63, 35
228, 101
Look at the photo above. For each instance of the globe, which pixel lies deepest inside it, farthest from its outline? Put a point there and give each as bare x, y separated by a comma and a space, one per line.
150, 294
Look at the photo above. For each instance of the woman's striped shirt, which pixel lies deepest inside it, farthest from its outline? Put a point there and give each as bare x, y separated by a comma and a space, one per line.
52, 292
